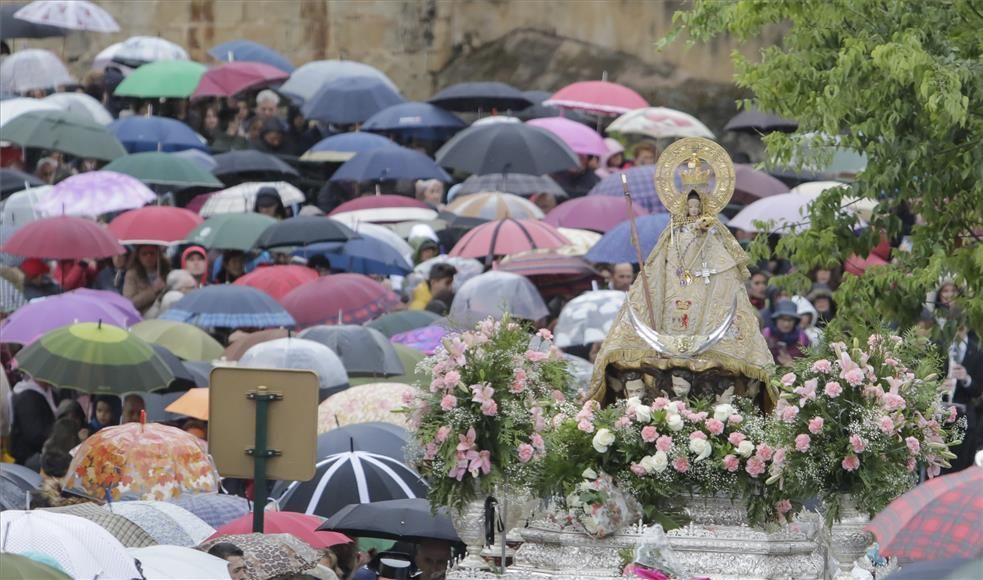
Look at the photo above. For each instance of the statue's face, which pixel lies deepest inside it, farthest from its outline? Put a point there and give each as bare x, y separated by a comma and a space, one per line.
694, 207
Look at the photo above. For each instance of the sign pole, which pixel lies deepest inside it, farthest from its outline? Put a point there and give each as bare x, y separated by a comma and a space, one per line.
262, 397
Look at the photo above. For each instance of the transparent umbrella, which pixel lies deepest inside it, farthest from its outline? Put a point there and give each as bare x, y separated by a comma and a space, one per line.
299, 353
494, 294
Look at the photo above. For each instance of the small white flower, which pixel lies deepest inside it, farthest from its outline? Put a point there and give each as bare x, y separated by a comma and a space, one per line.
660, 461
674, 422
589, 474
700, 447
745, 449
723, 412
643, 413
602, 440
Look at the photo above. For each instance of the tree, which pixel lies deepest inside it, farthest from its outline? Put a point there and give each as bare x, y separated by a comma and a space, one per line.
902, 82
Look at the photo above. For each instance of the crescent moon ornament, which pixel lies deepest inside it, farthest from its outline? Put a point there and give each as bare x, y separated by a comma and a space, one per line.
694, 164
680, 346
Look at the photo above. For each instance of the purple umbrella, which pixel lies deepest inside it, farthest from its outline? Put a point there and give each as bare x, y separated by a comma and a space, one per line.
425, 340
641, 184
41, 316
581, 138
95, 193
115, 300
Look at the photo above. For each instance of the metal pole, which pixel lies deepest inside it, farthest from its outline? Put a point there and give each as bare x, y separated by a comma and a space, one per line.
638, 250
260, 453
505, 525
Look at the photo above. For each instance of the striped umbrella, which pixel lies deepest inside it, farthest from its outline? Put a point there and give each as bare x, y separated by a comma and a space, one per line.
494, 206
229, 306
553, 274
507, 236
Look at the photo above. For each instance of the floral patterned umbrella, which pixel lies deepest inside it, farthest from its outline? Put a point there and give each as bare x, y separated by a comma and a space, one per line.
142, 461
74, 15
95, 193
269, 555
372, 402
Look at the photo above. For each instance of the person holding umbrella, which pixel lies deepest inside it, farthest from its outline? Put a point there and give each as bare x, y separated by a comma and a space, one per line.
37, 279
145, 277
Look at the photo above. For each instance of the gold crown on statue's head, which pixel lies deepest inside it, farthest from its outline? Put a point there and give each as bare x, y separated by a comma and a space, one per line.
693, 174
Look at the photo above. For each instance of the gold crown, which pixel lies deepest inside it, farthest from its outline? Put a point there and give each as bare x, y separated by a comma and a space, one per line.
693, 174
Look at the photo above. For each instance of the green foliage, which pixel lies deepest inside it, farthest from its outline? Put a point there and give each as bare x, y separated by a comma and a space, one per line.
901, 82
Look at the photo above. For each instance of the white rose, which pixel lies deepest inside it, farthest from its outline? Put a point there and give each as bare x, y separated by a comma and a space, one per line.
643, 414
672, 408
675, 422
602, 440
723, 412
660, 461
633, 402
647, 463
589, 474
745, 449
701, 447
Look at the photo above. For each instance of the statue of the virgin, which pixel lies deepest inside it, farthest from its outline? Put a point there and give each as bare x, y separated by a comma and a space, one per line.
688, 328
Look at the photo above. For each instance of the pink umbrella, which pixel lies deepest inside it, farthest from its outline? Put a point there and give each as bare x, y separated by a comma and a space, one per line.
232, 78
338, 299
601, 97
581, 138
508, 236
197, 202
383, 208
278, 281
593, 212
154, 225
752, 184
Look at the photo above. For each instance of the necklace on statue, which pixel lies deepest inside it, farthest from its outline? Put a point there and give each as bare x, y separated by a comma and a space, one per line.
684, 271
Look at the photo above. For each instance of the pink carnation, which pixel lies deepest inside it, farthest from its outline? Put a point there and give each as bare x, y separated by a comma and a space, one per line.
660, 403
489, 408
586, 426
714, 426
698, 435
525, 452
850, 462
778, 458
857, 443
802, 442
448, 402
788, 379
755, 467
893, 402
622, 422
663, 443
649, 434
822, 366
638, 470
735, 419
452, 378
854, 376
783, 506
731, 463
833, 389
545, 334
735, 438
680, 464
789, 413
887, 425
765, 452
913, 445
537, 442
443, 433
536, 356
815, 425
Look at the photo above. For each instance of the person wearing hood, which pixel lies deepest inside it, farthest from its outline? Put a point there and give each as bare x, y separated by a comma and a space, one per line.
271, 137
807, 319
37, 279
821, 297
194, 260
34, 412
269, 203
613, 160
785, 340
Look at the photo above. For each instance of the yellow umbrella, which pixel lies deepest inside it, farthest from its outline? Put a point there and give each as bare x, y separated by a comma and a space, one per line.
374, 402
580, 241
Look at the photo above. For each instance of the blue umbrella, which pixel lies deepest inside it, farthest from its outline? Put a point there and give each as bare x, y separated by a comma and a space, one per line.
616, 245
417, 120
142, 134
344, 146
362, 256
249, 51
350, 100
229, 306
641, 184
389, 165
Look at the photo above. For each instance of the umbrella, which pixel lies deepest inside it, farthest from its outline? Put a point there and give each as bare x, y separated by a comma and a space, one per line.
579, 137
234, 231
480, 96
517, 183
141, 134
641, 184
249, 51
553, 274
352, 477
165, 169
581, 241
383, 208
277, 281
252, 161
755, 121
118, 303
752, 184
410, 359
11, 298
71, 14
128, 533
819, 156
24, 477
11, 28
415, 120
507, 148
226, 80
402, 321
30, 69
80, 547
946, 568
593, 212
242, 198
399, 519
63, 238
424, 340
366, 255
389, 164
616, 246
300, 354
364, 351
538, 110
587, 318
228, 306
14, 180
494, 294
304, 230
65, 132
783, 211
158, 224
216, 510
270, 555
659, 123
494, 206
192, 403
301, 526
17, 106
350, 100
97, 358
309, 78
139, 50
339, 299
82, 105
185, 376
15, 566
600, 97
344, 146
95, 193
164, 79
166, 523
169, 561
382, 402
507, 236
467, 268
44, 315
198, 157
938, 519
386, 235
21, 208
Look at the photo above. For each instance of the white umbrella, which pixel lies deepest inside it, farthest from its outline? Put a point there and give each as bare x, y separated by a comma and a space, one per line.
81, 547
241, 198
581, 241
494, 294
493, 119
385, 215
82, 105
660, 122
21, 207
71, 14
138, 50
13, 108
300, 353
178, 562
383, 234
494, 205
783, 211
588, 318
306, 80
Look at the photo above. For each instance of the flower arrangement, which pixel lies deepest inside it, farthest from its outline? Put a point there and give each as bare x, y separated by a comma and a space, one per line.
482, 420
859, 421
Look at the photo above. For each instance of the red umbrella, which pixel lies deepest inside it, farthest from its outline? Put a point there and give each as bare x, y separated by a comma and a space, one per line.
508, 236
597, 213
63, 238
938, 519
197, 202
600, 97
154, 225
303, 526
378, 201
278, 281
338, 299
752, 184
553, 274
232, 78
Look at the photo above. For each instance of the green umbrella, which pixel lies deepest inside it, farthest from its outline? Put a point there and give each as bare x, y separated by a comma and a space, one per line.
164, 169
16, 566
410, 358
95, 358
230, 231
164, 78
402, 321
65, 132
183, 340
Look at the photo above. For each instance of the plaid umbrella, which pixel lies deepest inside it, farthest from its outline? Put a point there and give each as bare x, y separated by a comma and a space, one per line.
11, 298
228, 306
938, 519
517, 183
641, 184
269, 555
216, 510
128, 533
166, 522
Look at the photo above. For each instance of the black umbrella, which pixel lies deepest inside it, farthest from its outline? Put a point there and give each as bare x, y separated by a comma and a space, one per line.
304, 230
250, 161
480, 97
540, 111
14, 180
364, 351
185, 376
517, 183
11, 27
16, 481
507, 148
398, 519
754, 121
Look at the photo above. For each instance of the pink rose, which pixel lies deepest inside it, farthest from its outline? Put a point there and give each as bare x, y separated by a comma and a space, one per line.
735, 438
448, 402
436, 385
850, 462
638, 470
663, 443
833, 389
802, 442
783, 506
822, 366
788, 379
854, 376
452, 378
622, 422
731, 463
586, 426
649, 434
887, 425
698, 435
755, 467
765, 452
714, 426
815, 425
893, 402
545, 334
778, 459
537, 442
913, 445
790, 413
680, 464
518, 386
558, 396
525, 452
735, 419
489, 408
536, 356
857, 443
660, 403
953, 413
443, 433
